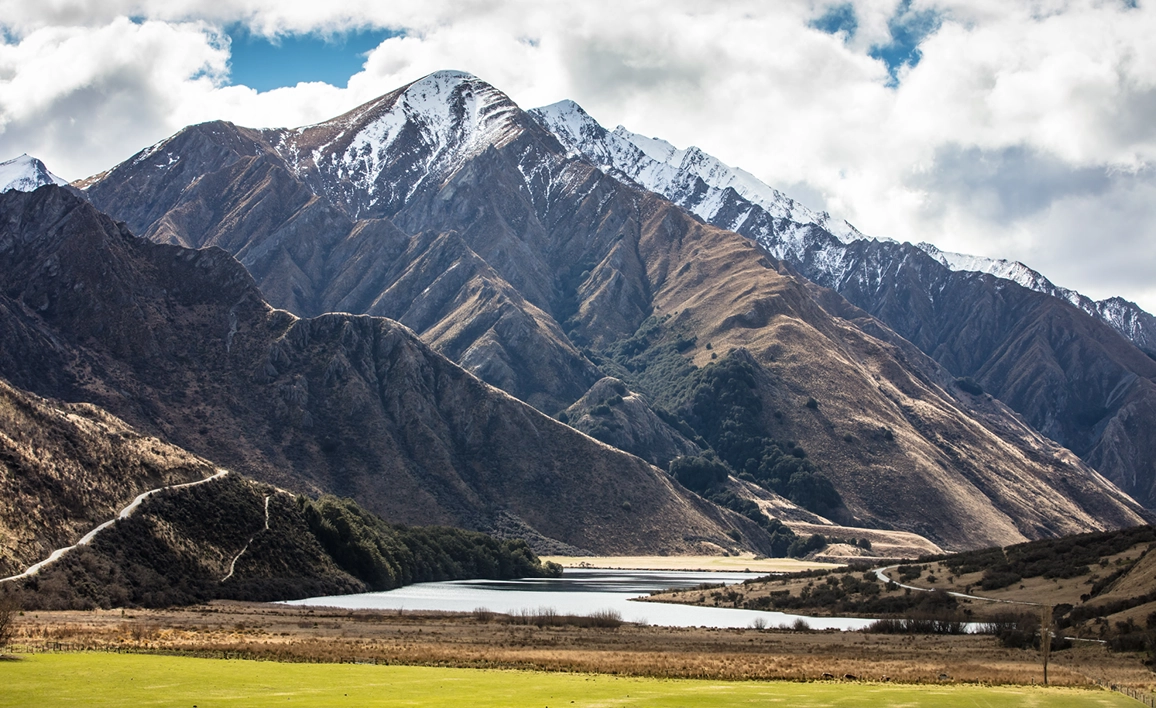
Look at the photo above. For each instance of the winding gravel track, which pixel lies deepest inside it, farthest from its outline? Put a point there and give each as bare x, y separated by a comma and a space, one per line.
236, 558
881, 573
124, 514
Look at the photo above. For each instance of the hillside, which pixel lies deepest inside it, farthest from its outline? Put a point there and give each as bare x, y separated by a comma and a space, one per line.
193, 532
233, 538
180, 344
1099, 584
612, 280
64, 468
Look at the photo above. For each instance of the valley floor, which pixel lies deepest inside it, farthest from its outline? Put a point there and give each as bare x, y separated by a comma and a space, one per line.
98, 679
484, 641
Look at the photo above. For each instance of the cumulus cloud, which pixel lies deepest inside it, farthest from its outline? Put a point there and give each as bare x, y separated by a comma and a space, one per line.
1000, 128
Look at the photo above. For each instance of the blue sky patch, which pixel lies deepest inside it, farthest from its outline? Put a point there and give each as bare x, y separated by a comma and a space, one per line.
838, 18
263, 64
908, 28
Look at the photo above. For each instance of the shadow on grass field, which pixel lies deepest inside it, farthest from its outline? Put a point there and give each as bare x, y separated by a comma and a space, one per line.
99, 679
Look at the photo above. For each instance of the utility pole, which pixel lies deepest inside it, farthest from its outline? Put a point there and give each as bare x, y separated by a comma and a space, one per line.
1046, 637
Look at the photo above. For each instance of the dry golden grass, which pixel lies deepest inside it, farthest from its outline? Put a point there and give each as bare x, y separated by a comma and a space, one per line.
1051, 591
311, 635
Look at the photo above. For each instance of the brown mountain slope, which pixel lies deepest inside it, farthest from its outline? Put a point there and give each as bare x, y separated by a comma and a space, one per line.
950, 474
179, 342
1058, 358
604, 259
1071, 376
231, 189
65, 468
992, 476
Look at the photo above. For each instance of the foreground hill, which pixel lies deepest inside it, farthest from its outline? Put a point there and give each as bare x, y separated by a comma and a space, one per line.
180, 344
542, 274
64, 468
233, 538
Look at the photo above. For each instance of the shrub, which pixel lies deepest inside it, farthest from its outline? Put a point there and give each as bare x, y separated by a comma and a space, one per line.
698, 473
969, 385
801, 547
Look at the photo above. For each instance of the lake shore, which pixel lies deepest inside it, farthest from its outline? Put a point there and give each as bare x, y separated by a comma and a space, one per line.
746, 562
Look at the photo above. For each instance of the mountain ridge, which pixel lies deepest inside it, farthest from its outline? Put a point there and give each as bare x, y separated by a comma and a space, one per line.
726, 196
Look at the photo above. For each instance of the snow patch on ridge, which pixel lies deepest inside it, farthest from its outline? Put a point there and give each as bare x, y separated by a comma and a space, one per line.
690, 177
25, 174
386, 149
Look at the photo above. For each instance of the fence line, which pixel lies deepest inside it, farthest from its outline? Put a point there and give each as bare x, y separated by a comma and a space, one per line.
1144, 697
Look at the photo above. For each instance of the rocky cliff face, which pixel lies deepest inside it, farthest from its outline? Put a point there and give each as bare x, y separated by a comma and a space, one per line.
626, 281
180, 344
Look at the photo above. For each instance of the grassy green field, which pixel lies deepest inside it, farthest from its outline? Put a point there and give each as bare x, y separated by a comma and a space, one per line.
97, 679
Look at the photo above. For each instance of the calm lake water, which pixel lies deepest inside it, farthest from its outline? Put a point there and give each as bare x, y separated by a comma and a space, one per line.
579, 592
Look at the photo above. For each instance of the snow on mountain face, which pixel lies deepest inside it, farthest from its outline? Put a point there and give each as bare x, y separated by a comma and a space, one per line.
1124, 316
1008, 270
732, 198
690, 177
25, 174
379, 154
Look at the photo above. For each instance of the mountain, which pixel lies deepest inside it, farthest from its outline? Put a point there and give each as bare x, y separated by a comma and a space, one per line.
734, 199
1124, 316
314, 246
25, 174
445, 201
1058, 358
179, 344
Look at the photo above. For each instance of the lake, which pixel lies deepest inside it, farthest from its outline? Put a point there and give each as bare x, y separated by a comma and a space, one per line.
579, 592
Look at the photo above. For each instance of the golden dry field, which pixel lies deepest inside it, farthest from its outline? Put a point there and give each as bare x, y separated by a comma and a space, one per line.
484, 640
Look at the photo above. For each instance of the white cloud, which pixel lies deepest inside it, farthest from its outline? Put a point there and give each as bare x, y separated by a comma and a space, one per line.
1025, 130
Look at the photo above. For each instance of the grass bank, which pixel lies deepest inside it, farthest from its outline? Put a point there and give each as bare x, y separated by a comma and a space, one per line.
99, 679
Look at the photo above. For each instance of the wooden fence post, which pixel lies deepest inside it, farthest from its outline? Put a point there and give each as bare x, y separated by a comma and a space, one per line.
1046, 637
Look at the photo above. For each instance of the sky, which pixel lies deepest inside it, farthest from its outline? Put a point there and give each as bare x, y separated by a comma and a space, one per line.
1010, 129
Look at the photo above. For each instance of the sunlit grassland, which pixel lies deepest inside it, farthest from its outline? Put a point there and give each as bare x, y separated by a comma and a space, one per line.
99, 679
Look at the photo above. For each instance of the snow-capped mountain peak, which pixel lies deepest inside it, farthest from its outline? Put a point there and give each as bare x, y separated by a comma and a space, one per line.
375, 156
26, 173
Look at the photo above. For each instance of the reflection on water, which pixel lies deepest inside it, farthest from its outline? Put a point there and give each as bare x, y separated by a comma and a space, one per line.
579, 592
